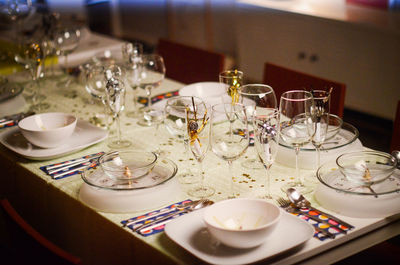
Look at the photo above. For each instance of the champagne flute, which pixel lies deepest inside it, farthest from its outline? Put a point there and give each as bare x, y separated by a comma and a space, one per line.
229, 135
266, 136
319, 122
198, 133
295, 109
175, 123
151, 76
115, 91
132, 53
232, 79
257, 98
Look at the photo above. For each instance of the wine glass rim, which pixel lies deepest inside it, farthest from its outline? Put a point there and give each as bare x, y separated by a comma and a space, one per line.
172, 99
228, 74
307, 95
240, 90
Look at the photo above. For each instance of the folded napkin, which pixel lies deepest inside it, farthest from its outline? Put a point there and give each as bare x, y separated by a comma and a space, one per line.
143, 100
331, 227
71, 167
153, 215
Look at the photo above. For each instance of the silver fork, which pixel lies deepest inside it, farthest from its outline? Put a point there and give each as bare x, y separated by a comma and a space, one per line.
286, 205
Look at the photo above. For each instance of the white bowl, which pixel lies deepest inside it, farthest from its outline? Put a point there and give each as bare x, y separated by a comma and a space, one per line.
203, 90
48, 130
242, 223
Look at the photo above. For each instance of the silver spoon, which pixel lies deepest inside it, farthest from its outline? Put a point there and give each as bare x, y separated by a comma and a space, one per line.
301, 202
196, 205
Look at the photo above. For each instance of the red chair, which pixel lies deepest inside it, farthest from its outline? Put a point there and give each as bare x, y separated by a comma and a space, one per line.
189, 64
395, 144
282, 79
25, 245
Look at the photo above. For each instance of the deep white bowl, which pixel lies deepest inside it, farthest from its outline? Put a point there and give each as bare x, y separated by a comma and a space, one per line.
242, 223
48, 130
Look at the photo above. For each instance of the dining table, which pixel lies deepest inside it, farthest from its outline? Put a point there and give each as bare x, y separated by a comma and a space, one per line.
56, 209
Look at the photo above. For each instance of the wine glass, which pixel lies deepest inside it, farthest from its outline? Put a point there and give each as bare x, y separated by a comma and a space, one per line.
266, 140
132, 53
18, 11
229, 135
66, 41
295, 109
175, 123
319, 122
31, 56
151, 76
257, 98
198, 134
115, 98
232, 79
95, 85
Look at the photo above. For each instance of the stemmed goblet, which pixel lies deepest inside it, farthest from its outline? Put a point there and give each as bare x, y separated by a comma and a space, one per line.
295, 110
198, 134
132, 54
258, 98
115, 92
229, 135
232, 79
175, 123
151, 76
319, 122
31, 56
266, 141
66, 41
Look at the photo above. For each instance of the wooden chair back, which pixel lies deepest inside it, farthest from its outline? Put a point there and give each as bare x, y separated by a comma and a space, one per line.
395, 143
282, 79
188, 64
26, 245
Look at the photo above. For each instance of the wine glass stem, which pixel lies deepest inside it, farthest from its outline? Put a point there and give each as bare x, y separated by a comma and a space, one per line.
134, 98
298, 177
267, 183
118, 123
232, 192
317, 148
148, 93
201, 175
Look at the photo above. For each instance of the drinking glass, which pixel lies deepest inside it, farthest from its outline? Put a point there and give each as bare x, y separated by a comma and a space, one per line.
18, 11
66, 41
232, 79
115, 92
151, 76
198, 134
132, 54
295, 109
266, 141
319, 122
229, 135
95, 85
175, 123
30, 55
256, 98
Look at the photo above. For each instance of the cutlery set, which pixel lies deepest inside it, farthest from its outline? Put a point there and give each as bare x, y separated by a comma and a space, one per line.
71, 167
155, 220
13, 120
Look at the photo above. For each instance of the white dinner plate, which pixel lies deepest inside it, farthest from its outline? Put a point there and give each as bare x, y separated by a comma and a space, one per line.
159, 188
85, 134
190, 232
